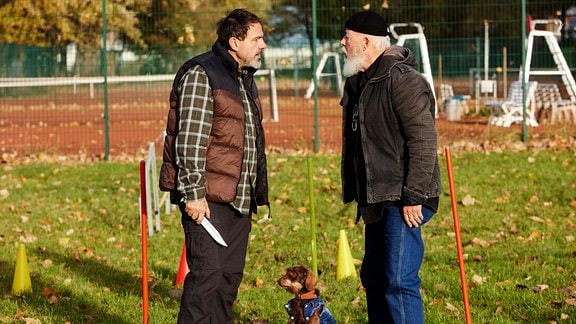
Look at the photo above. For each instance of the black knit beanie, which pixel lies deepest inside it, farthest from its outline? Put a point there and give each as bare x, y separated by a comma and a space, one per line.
368, 22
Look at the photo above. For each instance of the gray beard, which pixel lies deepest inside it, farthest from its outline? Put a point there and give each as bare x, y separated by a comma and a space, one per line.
254, 64
352, 65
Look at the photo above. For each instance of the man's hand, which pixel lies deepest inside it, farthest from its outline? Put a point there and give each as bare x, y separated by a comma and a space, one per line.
197, 210
413, 215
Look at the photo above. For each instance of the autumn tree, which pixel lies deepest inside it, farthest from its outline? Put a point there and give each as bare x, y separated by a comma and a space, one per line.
177, 29
162, 29
54, 24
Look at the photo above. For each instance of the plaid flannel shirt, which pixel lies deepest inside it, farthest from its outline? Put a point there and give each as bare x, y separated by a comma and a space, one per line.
196, 114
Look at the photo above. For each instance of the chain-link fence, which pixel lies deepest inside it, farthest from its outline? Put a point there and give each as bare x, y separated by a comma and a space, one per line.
59, 94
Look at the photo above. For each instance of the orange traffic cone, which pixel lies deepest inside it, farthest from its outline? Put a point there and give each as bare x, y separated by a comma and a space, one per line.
22, 281
182, 268
345, 266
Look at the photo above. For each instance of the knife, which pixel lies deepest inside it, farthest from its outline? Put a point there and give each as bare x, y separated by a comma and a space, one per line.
213, 232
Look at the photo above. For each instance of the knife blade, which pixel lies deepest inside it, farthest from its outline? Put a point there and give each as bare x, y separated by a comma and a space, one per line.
213, 232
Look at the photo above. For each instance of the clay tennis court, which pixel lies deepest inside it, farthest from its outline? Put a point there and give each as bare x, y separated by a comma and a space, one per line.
59, 121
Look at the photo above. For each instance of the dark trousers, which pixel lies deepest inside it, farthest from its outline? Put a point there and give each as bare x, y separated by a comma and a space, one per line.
211, 286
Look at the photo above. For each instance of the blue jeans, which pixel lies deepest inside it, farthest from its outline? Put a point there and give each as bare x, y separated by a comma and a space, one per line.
392, 260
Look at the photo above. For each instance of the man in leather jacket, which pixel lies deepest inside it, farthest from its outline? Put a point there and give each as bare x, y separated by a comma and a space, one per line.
389, 164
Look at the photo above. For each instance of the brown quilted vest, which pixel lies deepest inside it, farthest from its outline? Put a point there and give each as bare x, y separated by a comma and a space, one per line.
225, 149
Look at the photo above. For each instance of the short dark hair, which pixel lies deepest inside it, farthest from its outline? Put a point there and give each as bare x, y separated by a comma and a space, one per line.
235, 24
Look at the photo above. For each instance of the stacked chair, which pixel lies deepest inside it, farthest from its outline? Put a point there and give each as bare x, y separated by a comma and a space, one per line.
549, 102
511, 111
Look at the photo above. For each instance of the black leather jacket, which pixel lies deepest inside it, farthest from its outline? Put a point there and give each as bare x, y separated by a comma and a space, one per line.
394, 113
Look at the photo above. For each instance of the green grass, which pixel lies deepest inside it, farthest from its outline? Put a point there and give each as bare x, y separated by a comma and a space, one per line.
80, 225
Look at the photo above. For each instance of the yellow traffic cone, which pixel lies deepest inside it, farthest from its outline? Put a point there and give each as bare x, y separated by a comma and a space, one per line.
345, 267
22, 281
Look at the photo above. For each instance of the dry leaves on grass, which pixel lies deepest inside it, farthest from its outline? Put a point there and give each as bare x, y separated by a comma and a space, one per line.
570, 292
537, 143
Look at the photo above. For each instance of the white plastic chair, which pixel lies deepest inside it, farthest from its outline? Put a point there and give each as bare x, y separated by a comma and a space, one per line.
510, 112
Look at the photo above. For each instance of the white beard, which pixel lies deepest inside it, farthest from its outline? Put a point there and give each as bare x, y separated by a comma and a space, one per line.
352, 65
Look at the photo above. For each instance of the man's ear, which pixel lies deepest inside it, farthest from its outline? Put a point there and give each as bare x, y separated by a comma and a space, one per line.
233, 43
365, 42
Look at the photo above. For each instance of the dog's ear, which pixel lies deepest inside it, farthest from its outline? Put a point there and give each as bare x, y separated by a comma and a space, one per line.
310, 279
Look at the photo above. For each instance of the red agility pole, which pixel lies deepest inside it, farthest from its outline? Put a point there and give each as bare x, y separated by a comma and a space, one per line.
458, 239
144, 227
182, 268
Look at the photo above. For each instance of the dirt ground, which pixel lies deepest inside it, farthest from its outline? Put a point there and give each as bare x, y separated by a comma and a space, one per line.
73, 124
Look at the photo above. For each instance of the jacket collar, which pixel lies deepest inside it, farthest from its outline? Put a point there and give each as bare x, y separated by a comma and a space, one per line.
391, 57
228, 61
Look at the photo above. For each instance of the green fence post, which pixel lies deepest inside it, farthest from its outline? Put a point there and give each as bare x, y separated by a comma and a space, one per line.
105, 74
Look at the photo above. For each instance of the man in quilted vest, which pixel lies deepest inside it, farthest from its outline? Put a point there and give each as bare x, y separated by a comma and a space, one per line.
214, 164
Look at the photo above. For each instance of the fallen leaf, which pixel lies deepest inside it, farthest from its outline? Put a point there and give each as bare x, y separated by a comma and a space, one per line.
48, 291
452, 309
534, 236
501, 200
20, 313
52, 300
478, 279
540, 288
569, 291
440, 287
479, 242
537, 219
468, 200
478, 258
28, 238
499, 310
46, 263
434, 302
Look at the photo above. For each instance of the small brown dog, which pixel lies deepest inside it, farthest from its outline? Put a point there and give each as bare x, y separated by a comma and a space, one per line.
306, 307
